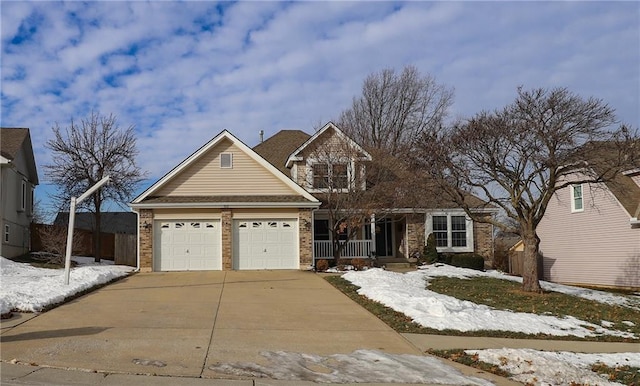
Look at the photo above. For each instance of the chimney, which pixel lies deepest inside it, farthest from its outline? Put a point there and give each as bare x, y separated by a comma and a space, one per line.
261, 136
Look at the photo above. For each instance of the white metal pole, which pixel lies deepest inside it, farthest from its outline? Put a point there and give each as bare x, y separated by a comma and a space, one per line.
72, 218
67, 259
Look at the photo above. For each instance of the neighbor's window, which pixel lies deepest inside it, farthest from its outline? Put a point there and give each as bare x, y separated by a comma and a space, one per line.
577, 202
6, 233
320, 176
23, 198
226, 160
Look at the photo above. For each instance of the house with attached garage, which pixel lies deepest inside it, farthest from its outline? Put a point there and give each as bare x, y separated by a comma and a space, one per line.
17, 185
228, 206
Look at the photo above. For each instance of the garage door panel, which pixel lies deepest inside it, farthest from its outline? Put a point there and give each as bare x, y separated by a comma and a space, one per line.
265, 244
188, 246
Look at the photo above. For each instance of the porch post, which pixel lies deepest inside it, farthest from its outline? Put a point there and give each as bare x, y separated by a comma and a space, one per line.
373, 231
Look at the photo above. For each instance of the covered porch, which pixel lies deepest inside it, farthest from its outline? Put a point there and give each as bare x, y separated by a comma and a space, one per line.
379, 239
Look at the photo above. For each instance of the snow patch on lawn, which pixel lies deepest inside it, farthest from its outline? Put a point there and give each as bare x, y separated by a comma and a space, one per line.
361, 366
555, 368
30, 289
407, 293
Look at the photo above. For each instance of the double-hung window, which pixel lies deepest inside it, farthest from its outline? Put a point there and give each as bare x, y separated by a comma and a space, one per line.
577, 200
330, 176
453, 232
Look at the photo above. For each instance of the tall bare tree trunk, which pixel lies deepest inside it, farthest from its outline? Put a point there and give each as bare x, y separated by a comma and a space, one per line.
530, 282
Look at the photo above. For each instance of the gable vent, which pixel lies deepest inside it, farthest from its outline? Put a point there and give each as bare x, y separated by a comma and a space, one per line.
226, 160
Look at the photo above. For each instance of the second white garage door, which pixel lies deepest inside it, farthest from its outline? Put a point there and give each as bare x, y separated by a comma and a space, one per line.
187, 245
265, 244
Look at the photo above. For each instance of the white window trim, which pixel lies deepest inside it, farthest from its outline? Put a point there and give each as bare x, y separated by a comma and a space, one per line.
573, 198
222, 166
428, 228
350, 168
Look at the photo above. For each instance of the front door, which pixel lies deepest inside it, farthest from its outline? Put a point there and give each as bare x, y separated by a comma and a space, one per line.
384, 238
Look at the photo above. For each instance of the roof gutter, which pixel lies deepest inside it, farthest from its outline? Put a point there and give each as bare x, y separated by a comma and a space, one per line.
634, 221
213, 205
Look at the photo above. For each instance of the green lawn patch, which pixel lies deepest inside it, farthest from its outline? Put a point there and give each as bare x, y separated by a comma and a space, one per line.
625, 375
469, 291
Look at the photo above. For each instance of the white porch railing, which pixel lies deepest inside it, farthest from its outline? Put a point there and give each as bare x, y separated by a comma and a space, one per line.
354, 249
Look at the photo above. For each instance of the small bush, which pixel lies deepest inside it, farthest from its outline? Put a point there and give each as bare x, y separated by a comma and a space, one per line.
430, 251
468, 260
322, 265
359, 264
446, 258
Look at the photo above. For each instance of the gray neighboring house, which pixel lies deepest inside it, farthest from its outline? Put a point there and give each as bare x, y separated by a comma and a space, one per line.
17, 186
111, 222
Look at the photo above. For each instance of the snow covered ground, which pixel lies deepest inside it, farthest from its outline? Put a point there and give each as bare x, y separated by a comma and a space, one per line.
27, 288
407, 293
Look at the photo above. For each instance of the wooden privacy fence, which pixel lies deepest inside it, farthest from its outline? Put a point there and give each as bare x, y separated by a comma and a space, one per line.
516, 264
121, 248
125, 249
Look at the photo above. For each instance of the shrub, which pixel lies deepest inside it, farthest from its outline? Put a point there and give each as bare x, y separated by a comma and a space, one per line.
358, 264
430, 251
322, 265
468, 260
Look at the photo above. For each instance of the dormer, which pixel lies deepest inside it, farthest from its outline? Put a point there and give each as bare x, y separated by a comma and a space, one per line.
329, 161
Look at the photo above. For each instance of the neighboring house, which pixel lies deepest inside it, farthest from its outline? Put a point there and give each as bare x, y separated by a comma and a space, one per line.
111, 222
590, 233
18, 182
231, 207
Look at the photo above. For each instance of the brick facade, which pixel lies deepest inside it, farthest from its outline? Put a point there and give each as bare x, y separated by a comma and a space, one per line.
227, 234
145, 226
483, 241
415, 234
305, 238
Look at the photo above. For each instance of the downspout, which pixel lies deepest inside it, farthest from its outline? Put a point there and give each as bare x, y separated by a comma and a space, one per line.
137, 240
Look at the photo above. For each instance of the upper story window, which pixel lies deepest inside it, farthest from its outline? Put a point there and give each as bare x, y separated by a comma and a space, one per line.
453, 232
226, 160
23, 196
577, 200
330, 176
320, 176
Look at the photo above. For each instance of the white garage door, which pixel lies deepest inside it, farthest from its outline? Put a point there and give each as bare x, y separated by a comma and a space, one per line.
265, 244
190, 245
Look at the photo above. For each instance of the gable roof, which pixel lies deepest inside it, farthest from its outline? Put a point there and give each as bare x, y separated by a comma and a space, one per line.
12, 141
627, 192
147, 195
276, 149
295, 156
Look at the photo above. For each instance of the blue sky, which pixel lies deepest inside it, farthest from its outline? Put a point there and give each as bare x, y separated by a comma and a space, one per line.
180, 72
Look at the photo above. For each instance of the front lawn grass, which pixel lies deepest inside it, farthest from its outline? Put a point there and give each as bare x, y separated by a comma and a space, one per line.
484, 292
508, 295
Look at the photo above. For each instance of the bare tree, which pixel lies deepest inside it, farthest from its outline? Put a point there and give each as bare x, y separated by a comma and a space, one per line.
395, 110
86, 152
54, 239
518, 157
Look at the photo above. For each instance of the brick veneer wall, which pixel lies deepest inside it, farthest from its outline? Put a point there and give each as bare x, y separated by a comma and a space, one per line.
415, 234
483, 241
146, 240
227, 232
305, 238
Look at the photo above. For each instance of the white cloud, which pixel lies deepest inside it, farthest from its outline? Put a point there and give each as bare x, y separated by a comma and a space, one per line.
181, 72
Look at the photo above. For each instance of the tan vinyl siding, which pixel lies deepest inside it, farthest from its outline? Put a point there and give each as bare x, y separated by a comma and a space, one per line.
265, 213
186, 213
636, 179
595, 247
205, 177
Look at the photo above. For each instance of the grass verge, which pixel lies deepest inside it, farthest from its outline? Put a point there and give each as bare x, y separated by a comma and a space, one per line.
460, 356
403, 324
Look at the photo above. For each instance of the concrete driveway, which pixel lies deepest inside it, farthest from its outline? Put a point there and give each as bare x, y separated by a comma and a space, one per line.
179, 324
